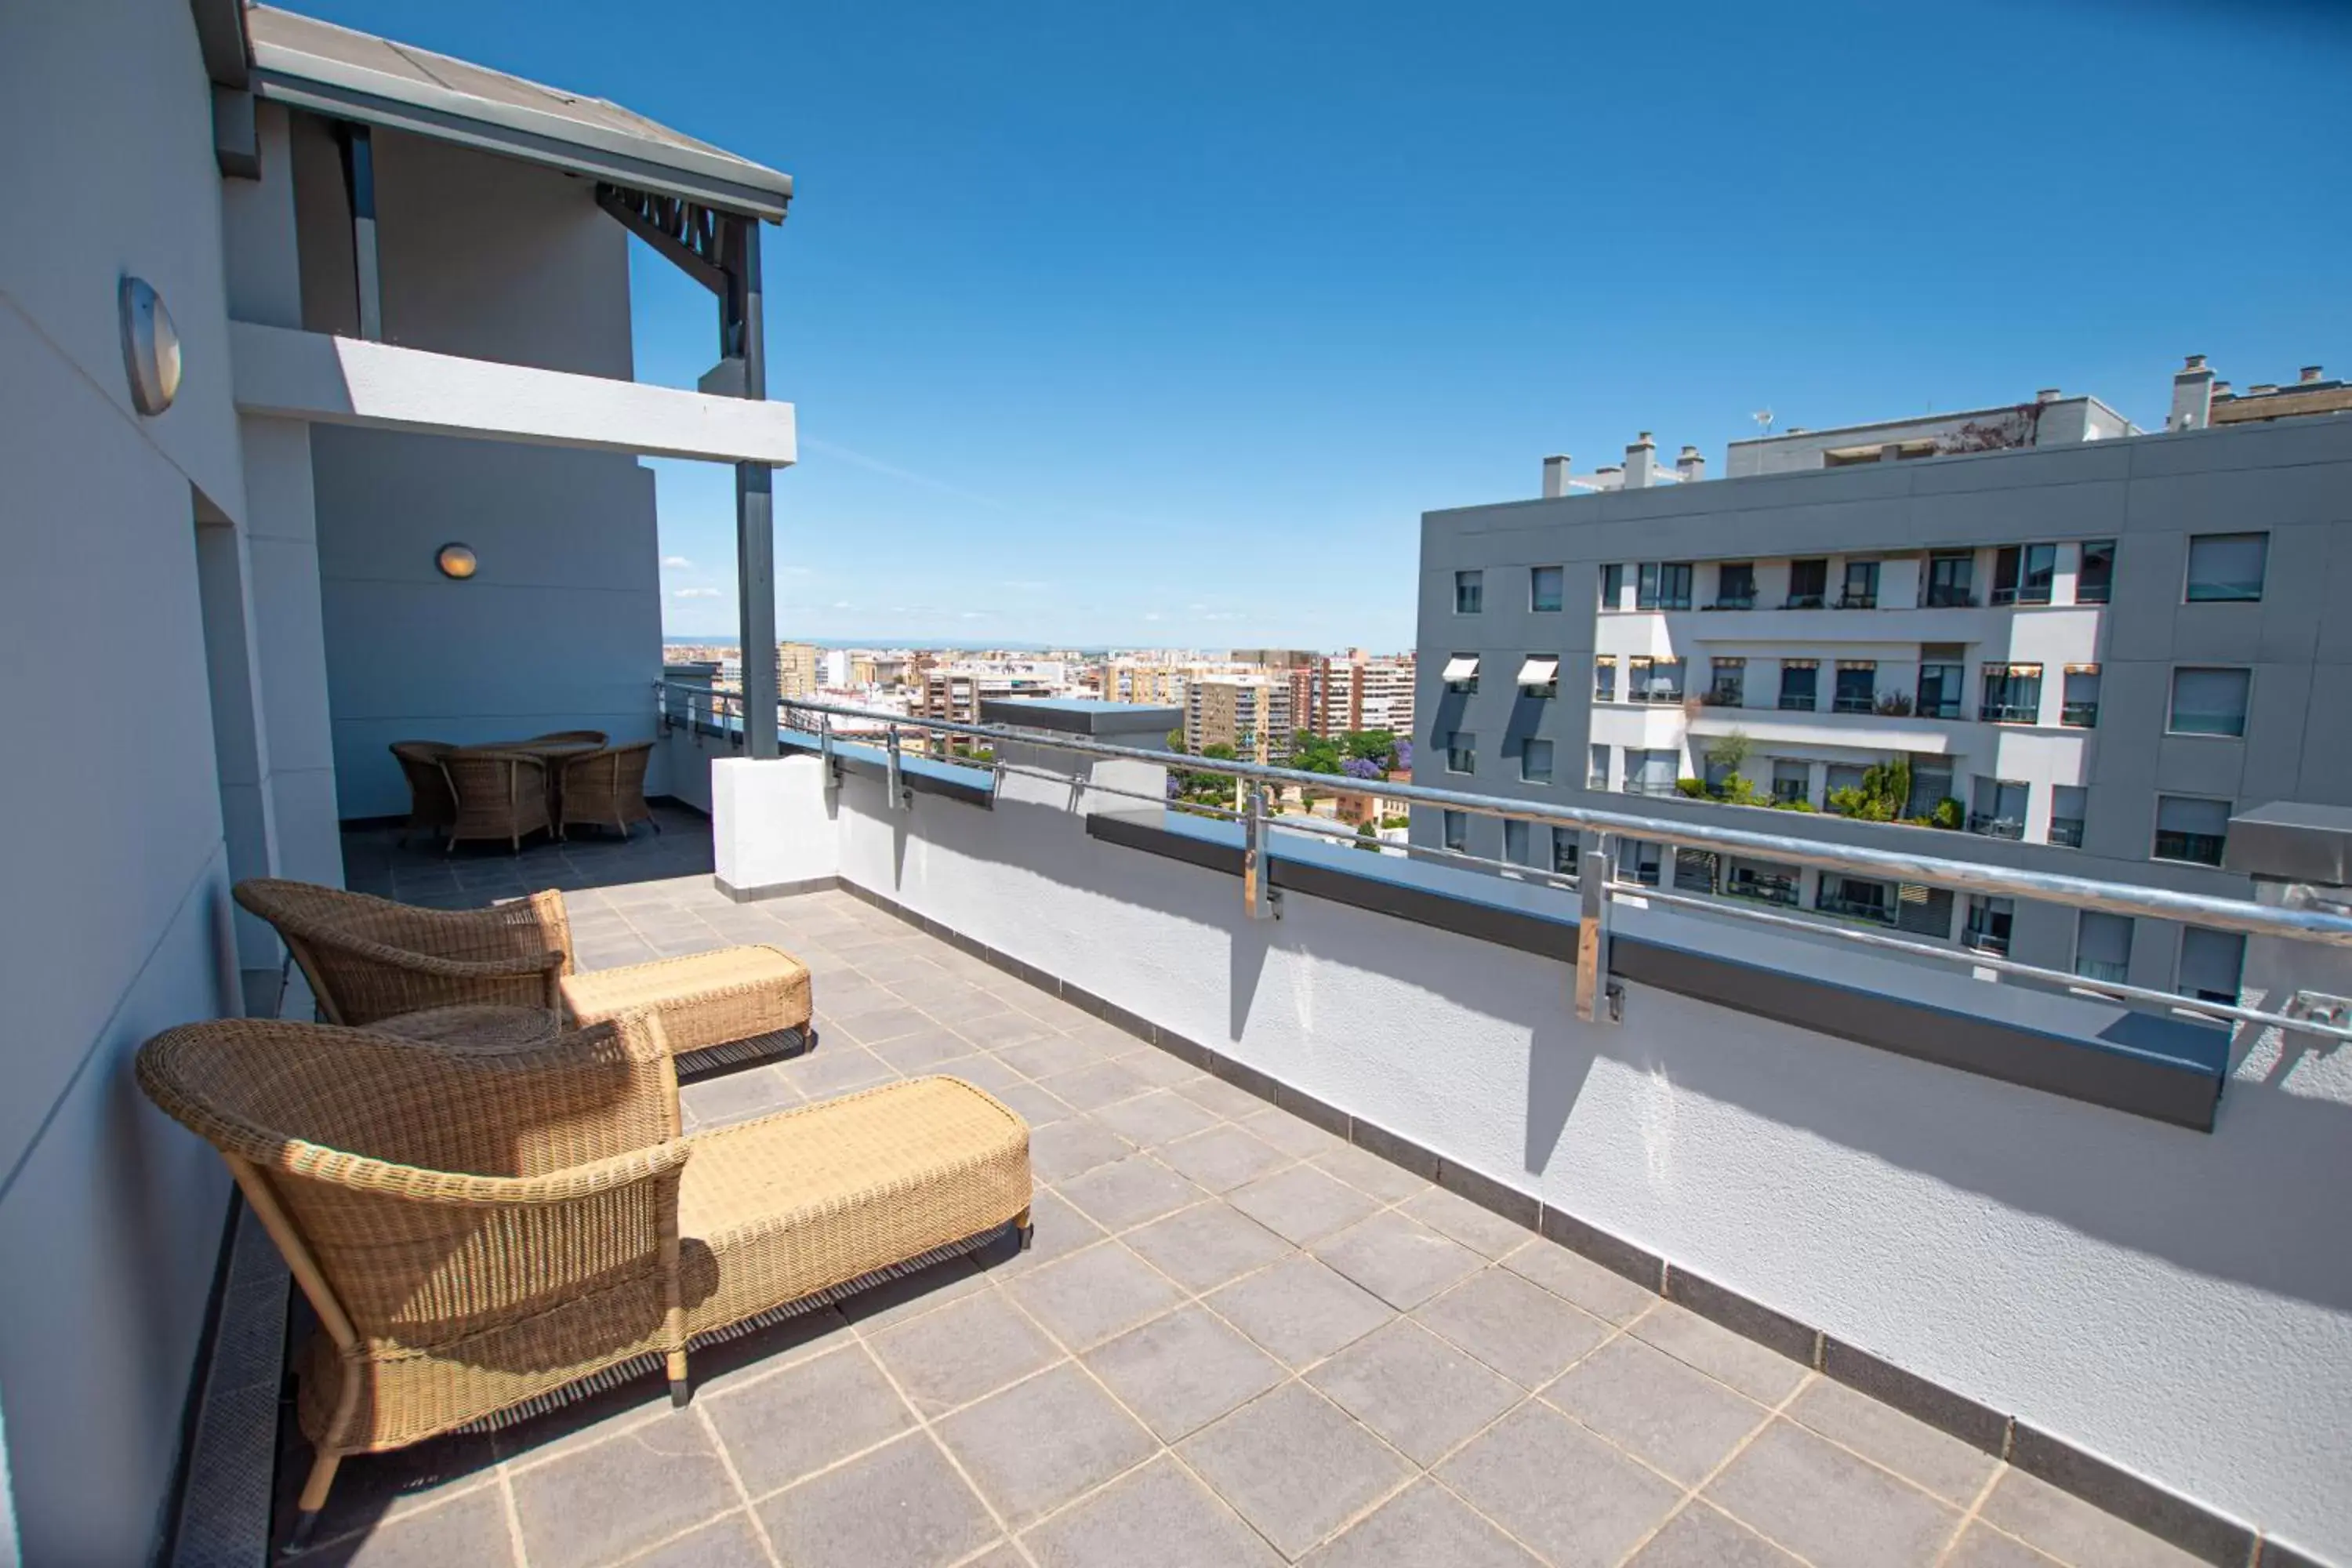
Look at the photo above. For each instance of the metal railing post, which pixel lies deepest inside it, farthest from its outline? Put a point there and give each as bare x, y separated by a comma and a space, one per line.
1598, 1000
825, 751
1257, 896
896, 781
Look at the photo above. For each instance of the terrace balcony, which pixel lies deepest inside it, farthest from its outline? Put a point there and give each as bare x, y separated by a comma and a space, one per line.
1348, 1245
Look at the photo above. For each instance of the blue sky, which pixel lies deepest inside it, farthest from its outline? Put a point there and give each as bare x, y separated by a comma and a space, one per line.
1164, 323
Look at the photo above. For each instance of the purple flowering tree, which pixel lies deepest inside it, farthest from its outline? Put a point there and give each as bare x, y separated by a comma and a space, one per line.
1361, 768
1403, 759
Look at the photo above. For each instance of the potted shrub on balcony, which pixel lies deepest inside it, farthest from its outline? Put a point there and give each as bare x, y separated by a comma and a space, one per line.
1895, 705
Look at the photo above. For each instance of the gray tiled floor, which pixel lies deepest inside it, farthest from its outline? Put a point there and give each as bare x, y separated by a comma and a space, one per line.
1236, 1342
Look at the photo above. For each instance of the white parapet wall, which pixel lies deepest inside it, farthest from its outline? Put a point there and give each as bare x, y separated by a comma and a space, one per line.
2178, 1303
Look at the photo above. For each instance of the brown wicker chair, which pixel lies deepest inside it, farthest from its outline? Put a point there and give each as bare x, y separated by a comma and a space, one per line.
368, 958
480, 1232
607, 788
569, 738
498, 794
431, 806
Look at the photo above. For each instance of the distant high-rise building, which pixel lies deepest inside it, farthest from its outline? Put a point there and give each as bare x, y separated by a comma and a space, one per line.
1361, 692
796, 672
1251, 713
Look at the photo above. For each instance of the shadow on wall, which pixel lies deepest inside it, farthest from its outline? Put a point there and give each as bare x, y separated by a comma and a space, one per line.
2241, 1204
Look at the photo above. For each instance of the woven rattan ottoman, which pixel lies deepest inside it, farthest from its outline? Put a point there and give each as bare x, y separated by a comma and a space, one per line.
731, 1004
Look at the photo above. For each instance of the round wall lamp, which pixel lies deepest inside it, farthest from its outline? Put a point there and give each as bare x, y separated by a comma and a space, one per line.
457, 561
150, 347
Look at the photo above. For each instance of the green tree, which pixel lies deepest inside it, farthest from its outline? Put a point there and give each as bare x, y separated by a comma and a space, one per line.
1373, 745
1314, 754
1729, 751
1366, 838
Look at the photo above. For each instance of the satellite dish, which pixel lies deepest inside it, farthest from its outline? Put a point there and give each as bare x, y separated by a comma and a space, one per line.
1763, 417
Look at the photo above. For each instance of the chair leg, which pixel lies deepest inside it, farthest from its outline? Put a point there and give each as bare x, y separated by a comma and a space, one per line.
1026, 1231
313, 1498
680, 1390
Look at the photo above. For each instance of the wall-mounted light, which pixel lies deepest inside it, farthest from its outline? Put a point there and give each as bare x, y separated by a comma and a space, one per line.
150, 347
457, 561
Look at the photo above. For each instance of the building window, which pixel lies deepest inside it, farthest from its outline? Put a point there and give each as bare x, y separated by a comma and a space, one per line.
1857, 685
1858, 897
1596, 767
1808, 585
2210, 964
2210, 701
1462, 753
1613, 587
1651, 772
1798, 679
1735, 586
1567, 844
1791, 781
1951, 579
1999, 811
1764, 881
1457, 830
1655, 679
2103, 946
1638, 861
1726, 683
2022, 573
1931, 785
1539, 674
1943, 682
1515, 842
1469, 593
1986, 927
2094, 580
1663, 585
1547, 586
2227, 567
1604, 680
1534, 761
2067, 803
1462, 674
1861, 590
2188, 828
2081, 709
2013, 694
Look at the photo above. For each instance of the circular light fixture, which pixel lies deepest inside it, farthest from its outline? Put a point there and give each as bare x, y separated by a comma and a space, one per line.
150, 347
457, 561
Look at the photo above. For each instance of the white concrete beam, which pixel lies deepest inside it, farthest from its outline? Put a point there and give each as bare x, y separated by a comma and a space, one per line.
288, 374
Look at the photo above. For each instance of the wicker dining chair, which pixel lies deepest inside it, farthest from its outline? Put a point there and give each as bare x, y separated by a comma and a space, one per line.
481, 1234
569, 738
369, 959
431, 806
498, 794
607, 787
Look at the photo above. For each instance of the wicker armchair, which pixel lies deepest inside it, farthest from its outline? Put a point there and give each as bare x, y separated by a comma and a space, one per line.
480, 1232
368, 958
608, 788
498, 794
431, 806
569, 738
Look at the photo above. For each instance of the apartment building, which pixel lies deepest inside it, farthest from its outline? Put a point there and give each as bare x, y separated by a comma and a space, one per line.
797, 673
1358, 691
2068, 645
1251, 713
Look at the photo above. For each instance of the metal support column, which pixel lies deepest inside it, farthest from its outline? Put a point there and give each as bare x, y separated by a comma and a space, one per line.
742, 335
1597, 1000
1259, 899
358, 147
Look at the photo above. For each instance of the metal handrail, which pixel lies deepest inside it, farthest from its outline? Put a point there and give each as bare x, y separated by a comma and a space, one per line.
2081, 892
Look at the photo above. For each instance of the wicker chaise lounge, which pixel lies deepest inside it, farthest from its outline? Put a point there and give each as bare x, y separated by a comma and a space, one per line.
368, 958
480, 1232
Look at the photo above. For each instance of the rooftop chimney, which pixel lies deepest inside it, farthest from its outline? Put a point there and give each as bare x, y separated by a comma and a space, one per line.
1641, 462
1690, 468
1556, 476
2192, 395
2310, 374
2048, 395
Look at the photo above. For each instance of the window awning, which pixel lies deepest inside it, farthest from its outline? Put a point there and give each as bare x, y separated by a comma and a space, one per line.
1462, 666
1538, 672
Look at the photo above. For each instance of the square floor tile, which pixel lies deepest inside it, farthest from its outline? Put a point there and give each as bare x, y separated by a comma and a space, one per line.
1023, 1099
1294, 1135
729, 1541
1158, 1517
925, 1051
1202, 1246
1033, 1050
1834, 1508
1294, 1465
1129, 1191
373, 1489
1300, 1310
1217, 1094
1038, 1444
1982, 1546
1762, 1374
911, 1295
1412, 1388
890, 1023
903, 1505
596, 1503
1089, 1297
1953, 1470
1572, 1276
837, 1068
1072, 1148
1223, 1157
1425, 1524
1523, 1332
1094, 1085
1056, 1230
1482, 1230
470, 1529
1400, 1260
1367, 1171
1300, 1204
1699, 1537
1151, 1119
1182, 1370
1559, 1488
966, 1349
806, 1417
2067, 1528
1657, 1408
1149, 1063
